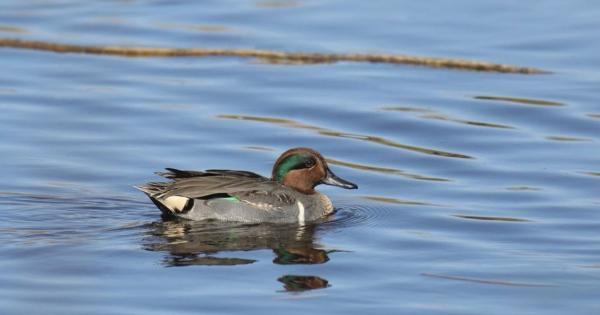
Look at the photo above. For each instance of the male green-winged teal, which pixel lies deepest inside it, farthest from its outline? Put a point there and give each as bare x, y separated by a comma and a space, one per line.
288, 196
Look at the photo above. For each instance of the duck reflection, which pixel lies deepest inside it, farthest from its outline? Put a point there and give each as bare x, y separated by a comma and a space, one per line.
188, 243
293, 283
305, 255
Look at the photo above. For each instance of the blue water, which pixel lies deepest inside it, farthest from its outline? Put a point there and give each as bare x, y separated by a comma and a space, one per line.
479, 192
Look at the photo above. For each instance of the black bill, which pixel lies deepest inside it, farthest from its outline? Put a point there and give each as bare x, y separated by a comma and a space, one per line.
333, 180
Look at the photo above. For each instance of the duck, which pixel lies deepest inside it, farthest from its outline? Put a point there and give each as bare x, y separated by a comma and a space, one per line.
288, 196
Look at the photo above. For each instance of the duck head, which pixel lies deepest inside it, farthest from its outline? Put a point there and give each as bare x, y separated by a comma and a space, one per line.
302, 169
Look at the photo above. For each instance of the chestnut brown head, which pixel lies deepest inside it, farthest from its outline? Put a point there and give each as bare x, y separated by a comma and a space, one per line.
302, 169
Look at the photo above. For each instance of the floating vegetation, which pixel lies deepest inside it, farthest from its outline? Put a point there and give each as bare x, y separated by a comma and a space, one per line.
269, 55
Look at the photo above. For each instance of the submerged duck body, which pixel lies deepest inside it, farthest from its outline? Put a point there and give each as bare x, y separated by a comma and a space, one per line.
242, 196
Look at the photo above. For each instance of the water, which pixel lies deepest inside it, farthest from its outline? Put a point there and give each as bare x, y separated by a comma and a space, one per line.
478, 191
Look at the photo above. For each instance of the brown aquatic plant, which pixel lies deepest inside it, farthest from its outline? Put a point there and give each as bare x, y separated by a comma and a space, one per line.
268, 55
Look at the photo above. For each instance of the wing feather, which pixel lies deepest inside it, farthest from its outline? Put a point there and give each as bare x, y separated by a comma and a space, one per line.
247, 186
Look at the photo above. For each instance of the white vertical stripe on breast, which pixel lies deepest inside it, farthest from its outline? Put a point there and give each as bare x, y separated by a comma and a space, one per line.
300, 212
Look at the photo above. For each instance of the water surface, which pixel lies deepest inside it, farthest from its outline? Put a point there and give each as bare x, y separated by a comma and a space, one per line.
478, 191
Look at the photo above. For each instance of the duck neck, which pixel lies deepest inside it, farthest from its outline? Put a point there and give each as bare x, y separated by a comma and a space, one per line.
298, 182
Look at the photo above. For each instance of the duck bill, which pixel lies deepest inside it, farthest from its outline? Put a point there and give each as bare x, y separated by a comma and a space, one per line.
333, 180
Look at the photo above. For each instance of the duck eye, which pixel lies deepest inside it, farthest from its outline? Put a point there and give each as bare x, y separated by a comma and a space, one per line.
309, 163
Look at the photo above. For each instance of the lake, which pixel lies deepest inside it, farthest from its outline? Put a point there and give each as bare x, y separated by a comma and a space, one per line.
479, 192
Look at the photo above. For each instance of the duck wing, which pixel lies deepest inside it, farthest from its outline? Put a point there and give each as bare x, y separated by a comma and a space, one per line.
175, 174
202, 187
243, 185
218, 189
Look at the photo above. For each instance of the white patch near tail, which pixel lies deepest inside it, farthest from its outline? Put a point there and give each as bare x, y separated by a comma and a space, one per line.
301, 215
175, 203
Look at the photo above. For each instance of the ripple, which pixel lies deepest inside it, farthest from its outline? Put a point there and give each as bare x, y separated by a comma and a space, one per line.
385, 170
111, 20
400, 201
408, 109
288, 123
486, 281
4, 90
258, 148
567, 139
211, 28
523, 188
519, 100
278, 4
490, 218
354, 215
297, 283
79, 199
594, 115
433, 115
591, 173
468, 122
214, 28
169, 106
57, 219
12, 29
